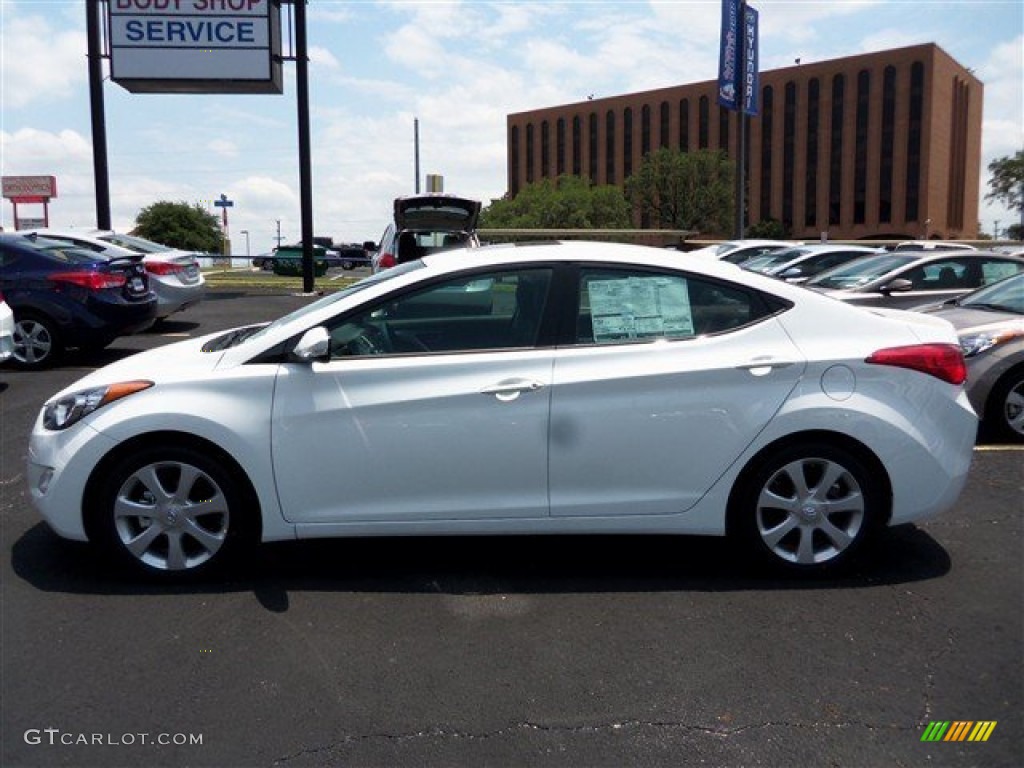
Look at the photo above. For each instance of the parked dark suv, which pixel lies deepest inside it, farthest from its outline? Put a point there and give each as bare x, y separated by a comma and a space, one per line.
66, 297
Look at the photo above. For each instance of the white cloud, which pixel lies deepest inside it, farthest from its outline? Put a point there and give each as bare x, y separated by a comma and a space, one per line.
42, 59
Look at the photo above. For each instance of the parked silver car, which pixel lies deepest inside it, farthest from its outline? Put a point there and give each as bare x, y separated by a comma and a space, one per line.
990, 324
905, 280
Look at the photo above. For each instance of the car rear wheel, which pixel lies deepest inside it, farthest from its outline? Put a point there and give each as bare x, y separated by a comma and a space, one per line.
807, 507
171, 512
1004, 412
37, 343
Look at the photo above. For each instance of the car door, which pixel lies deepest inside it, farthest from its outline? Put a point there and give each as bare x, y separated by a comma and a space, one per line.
669, 380
433, 406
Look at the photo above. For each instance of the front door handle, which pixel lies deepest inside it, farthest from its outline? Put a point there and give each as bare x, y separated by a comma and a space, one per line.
510, 389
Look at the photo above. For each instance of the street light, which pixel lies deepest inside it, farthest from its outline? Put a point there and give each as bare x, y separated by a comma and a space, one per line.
246, 233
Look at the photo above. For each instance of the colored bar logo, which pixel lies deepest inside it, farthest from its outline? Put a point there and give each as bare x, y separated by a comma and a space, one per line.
958, 730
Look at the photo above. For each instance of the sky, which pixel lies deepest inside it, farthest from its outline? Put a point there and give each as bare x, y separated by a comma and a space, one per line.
459, 68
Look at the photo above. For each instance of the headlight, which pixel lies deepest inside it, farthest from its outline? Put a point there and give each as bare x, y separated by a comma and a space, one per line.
975, 343
65, 411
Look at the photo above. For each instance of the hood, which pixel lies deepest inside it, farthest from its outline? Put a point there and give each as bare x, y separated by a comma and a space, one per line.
965, 318
177, 361
437, 213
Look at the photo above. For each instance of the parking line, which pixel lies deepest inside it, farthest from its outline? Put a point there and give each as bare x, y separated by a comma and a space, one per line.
999, 448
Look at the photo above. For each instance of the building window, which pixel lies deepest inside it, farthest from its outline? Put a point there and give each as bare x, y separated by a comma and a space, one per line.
811, 174
513, 160
723, 129
767, 122
529, 153
860, 157
704, 118
593, 147
788, 154
663, 133
545, 150
914, 141
609, 147
560, 147
577, 146
684, 125
888, 142
645, 130
627, 143
835, 159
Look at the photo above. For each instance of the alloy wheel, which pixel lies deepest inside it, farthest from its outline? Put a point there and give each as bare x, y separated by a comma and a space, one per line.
810, 511
171, 516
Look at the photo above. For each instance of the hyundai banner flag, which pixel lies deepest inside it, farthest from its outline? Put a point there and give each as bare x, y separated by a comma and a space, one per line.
738, 40
751, 77
727, 54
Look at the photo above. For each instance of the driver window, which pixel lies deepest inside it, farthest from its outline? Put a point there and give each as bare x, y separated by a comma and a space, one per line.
482, 311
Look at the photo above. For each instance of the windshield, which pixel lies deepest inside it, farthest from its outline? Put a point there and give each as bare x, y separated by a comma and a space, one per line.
775, 259
362, 285
860, 272
135, 243
1005, 296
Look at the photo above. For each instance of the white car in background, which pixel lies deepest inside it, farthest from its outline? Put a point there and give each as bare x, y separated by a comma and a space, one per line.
174, 274
554, 388
738, 251
6, 330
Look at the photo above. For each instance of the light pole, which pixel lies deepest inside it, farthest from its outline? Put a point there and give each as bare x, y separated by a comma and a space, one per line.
246, 233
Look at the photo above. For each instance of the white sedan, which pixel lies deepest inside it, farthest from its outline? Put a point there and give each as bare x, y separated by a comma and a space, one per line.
545, 389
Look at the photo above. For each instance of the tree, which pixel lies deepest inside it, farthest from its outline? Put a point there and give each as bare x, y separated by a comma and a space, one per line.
768, 229
180, 225
568, 202
684, 190
1007, 183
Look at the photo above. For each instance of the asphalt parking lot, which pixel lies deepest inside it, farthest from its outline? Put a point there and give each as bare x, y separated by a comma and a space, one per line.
601, 651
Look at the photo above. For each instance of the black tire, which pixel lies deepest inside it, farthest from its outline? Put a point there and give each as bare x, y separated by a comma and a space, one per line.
1004, 411
170, 513
348, 266
37, 342
807, 507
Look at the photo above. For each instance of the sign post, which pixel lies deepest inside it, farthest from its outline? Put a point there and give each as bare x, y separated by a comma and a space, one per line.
23, 190
223, 203
739, 85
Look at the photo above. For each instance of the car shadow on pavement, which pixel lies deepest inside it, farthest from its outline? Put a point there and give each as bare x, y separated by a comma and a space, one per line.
483, 565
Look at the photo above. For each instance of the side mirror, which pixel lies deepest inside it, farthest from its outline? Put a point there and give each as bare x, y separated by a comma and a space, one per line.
369, 245
790, 273
315, 344
899, 285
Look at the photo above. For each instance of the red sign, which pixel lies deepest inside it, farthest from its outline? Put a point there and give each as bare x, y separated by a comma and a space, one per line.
29, 189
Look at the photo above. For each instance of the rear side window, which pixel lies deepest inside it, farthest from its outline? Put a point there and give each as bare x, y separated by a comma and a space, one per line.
618, 306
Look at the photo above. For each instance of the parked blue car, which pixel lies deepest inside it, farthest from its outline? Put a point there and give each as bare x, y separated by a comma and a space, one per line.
64, 297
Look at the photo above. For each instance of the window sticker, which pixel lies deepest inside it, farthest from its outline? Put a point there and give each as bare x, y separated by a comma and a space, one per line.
640, 308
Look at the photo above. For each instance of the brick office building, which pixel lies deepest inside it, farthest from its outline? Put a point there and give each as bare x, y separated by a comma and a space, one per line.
880, 145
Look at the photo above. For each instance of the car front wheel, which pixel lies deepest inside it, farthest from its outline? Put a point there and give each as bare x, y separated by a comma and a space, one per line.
1004, 412
170, 512
807, 507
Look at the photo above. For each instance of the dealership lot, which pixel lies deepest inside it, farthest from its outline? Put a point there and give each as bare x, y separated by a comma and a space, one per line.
558, 651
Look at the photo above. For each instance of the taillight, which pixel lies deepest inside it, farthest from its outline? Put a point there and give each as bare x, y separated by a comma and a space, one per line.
943, 361
164, 268
386, 261
93, 281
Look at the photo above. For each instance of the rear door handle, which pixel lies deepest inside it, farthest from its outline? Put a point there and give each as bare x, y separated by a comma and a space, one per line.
510, 389
759, 366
